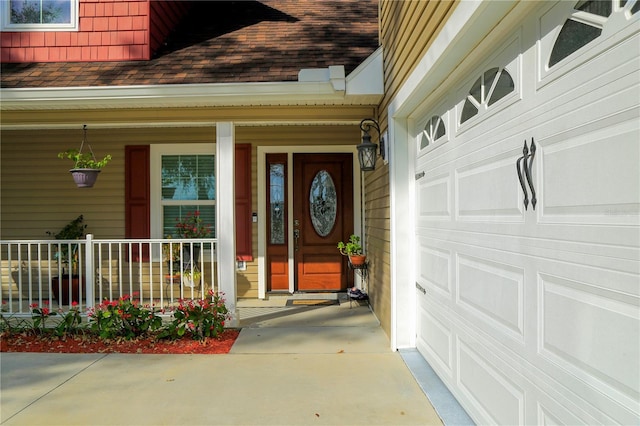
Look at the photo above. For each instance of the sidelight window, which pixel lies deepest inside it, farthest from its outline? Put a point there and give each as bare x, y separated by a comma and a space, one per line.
277, 203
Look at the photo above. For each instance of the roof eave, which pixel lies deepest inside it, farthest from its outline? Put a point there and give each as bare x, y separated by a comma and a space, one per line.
178, 95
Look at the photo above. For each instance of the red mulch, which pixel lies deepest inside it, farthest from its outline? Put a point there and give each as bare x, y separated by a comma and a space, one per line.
91, 344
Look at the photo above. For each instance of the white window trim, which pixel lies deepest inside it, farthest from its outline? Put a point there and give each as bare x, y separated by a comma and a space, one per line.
155, 186
7, 26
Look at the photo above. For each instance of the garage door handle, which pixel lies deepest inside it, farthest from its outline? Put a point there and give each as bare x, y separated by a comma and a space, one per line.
525, 152
527, 171
421, 289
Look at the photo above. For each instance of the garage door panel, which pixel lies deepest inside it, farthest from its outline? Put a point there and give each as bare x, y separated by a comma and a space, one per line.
542, 381
435, 339
591, 333
579, 244
593, 178
433, 268
493, 393
490, 190
434, 195
494, 291
552, 412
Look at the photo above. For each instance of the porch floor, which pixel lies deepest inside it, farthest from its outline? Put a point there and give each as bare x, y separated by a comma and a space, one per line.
290, 365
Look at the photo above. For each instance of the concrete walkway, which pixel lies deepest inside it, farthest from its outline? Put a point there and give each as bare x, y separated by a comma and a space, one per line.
328, 365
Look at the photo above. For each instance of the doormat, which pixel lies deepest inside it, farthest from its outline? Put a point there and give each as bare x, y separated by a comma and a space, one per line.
312, 302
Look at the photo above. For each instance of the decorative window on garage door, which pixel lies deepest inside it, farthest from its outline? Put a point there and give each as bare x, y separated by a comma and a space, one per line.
493, 85
433, 131
586, 24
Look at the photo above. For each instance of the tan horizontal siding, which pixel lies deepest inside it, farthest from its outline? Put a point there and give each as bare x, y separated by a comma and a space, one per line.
46, 198
378, 242
407, 30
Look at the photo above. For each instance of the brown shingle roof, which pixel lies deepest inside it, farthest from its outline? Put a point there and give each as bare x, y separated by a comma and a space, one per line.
224, 42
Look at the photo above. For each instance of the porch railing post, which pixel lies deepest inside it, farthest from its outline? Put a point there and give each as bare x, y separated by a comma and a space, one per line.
89, 261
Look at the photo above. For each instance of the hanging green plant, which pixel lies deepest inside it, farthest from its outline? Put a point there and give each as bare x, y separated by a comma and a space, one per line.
84, 161
85, 165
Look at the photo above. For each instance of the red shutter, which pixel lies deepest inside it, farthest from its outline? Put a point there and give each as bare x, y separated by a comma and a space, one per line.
137, 195
244, 222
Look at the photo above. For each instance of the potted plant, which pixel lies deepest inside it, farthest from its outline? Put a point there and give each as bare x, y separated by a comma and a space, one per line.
353, 250
189, 279
68, 254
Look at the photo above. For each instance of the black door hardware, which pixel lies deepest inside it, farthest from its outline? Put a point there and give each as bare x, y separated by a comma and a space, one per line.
528, 154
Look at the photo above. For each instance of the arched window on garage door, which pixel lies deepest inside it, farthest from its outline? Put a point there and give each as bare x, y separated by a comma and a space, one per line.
433, 131
493, 85
585, 25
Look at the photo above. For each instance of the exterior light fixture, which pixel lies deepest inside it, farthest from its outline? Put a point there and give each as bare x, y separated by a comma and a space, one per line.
367, 150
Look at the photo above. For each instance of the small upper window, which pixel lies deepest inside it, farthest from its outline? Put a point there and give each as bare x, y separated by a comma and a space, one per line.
433, 130
39, 15
585, 25
492, 86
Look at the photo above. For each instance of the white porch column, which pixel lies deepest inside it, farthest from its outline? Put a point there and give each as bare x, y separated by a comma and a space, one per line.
225, 216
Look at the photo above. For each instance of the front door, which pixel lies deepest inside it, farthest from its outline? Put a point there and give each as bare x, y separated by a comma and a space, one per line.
322, 216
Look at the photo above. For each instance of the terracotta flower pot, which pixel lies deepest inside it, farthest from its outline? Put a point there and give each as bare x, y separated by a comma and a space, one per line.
60, 289
357, 259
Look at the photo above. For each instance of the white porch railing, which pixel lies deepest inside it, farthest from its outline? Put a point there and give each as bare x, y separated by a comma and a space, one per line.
157, 272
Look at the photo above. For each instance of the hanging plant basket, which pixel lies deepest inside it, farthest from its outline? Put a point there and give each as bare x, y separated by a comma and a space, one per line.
86, 166
84, 178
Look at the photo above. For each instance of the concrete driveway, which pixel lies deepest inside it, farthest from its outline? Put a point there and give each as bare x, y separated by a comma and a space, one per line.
328, 365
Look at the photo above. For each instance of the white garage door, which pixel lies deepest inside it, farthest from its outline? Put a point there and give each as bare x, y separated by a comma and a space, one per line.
527, 279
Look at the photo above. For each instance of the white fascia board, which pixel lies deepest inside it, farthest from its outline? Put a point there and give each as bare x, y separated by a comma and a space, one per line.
333, 73
368, 77
177, 95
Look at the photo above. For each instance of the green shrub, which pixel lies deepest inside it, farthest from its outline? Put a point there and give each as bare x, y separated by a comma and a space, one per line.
123, 318
199, 318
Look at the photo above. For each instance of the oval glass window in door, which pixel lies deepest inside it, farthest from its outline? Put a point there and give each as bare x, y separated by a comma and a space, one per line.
323, 203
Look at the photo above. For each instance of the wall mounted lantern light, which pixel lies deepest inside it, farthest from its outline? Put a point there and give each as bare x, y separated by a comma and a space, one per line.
367, 150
